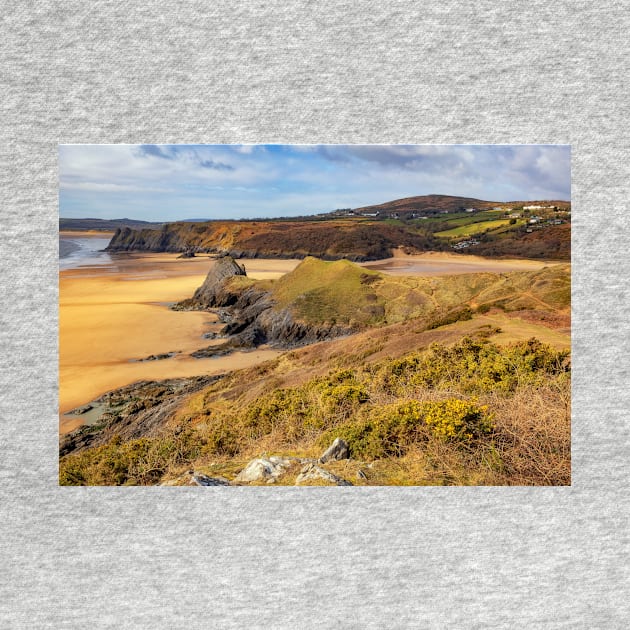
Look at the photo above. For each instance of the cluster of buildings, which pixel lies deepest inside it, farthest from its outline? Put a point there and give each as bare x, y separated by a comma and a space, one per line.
465, 244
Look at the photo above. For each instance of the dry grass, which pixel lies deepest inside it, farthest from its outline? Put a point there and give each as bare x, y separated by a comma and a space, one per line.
529, 446
533, 436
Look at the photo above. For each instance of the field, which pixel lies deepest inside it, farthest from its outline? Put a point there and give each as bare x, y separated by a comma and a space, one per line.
469, 229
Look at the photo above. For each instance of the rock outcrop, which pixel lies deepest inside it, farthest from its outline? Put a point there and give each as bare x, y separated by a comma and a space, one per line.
312, 472
337, 450
250, 314
138, 410
264, 469
215, 291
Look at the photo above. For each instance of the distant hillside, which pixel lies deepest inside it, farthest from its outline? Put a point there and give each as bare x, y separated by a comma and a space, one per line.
104, 225
531, 229
434, 204
428, 202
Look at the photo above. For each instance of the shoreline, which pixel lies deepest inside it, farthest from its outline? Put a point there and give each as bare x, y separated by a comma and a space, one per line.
113, 315
85, 234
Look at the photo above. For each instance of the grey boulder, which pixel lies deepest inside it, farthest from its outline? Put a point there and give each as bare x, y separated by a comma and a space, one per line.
312, 472
263, 469
337, 450
198, 479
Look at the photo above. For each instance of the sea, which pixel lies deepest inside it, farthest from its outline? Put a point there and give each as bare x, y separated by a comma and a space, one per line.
80, 251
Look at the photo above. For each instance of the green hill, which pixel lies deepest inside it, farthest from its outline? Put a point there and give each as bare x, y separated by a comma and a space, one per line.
343, 293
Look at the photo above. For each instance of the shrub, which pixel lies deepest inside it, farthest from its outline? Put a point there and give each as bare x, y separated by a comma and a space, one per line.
292, 413
474, 366
457, 315
390, 430
142, 461
458, 419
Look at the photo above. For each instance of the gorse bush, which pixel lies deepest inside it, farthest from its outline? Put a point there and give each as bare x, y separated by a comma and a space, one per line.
390, 430
474, 366
292, 413
457, 419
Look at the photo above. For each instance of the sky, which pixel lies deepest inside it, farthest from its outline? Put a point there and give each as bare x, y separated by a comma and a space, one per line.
175, 182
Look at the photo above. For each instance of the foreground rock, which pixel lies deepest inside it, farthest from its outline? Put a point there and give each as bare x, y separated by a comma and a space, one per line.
262, 469
337, 450
197, 479
312, 472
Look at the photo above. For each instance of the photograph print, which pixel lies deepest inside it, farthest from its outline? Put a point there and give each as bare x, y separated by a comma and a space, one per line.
315, 315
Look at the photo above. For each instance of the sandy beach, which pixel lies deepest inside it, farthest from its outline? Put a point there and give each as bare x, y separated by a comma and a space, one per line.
112, 314
445, 263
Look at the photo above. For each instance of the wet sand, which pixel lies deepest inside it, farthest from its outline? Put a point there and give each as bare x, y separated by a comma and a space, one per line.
86, 234
444, 263
112, 314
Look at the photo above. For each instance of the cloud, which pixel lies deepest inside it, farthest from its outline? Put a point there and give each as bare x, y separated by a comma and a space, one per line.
220, 166
111, 187
529, 171
187, 156
428, 158
155, 151
167, 182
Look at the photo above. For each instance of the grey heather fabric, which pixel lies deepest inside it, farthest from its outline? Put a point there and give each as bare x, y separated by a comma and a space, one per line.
430, 72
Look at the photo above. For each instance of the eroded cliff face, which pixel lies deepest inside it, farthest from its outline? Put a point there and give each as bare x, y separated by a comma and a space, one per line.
327, 240
162, 240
